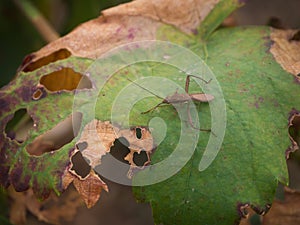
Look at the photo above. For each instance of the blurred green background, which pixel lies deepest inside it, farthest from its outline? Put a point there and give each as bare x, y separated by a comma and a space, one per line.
19, 37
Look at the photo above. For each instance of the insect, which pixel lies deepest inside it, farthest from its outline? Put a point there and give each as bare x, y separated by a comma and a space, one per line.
182, 98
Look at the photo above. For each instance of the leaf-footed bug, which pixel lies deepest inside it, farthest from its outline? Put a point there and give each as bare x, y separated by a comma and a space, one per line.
182, 98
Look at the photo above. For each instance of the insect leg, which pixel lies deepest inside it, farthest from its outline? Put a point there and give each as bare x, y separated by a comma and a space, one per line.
191, 122
187, 81
150, 110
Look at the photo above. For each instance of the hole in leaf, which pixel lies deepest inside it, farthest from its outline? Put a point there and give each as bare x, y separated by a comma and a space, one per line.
65, 79
17, 128
140, 159
294, 130
81, 146
62, 134
80, 166
28, 65
37, 94
119, 150
138, 133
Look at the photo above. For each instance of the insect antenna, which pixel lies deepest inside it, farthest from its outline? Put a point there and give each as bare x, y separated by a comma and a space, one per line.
140, 86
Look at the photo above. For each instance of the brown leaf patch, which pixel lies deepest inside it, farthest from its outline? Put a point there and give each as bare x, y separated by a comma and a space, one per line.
89, 187
54, 210
100, 136
97, 138
286, 51
134, 21
169, 12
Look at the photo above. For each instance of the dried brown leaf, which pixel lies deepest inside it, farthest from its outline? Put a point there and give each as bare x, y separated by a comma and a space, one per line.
99, 137
286, 50
54, 210
134, 21
89, 187
186, 15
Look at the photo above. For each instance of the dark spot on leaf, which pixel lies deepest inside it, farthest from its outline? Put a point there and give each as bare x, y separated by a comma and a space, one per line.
120, 150
296, 36
33, 163
17, 128
4, 105
18, 179
65, 79
4, 169
41, 189
62, 134
80, 165
28, 65
140, 159
25, 92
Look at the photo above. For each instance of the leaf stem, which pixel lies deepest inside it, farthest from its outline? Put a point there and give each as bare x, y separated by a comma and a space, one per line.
214, 19
38, 20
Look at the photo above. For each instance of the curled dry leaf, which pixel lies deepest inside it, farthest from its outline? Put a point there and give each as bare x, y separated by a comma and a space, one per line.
285, 49
169, 12
89, 187
134, 21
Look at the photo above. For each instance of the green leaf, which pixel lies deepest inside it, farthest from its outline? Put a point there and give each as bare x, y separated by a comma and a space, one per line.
42, 172
259, 96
